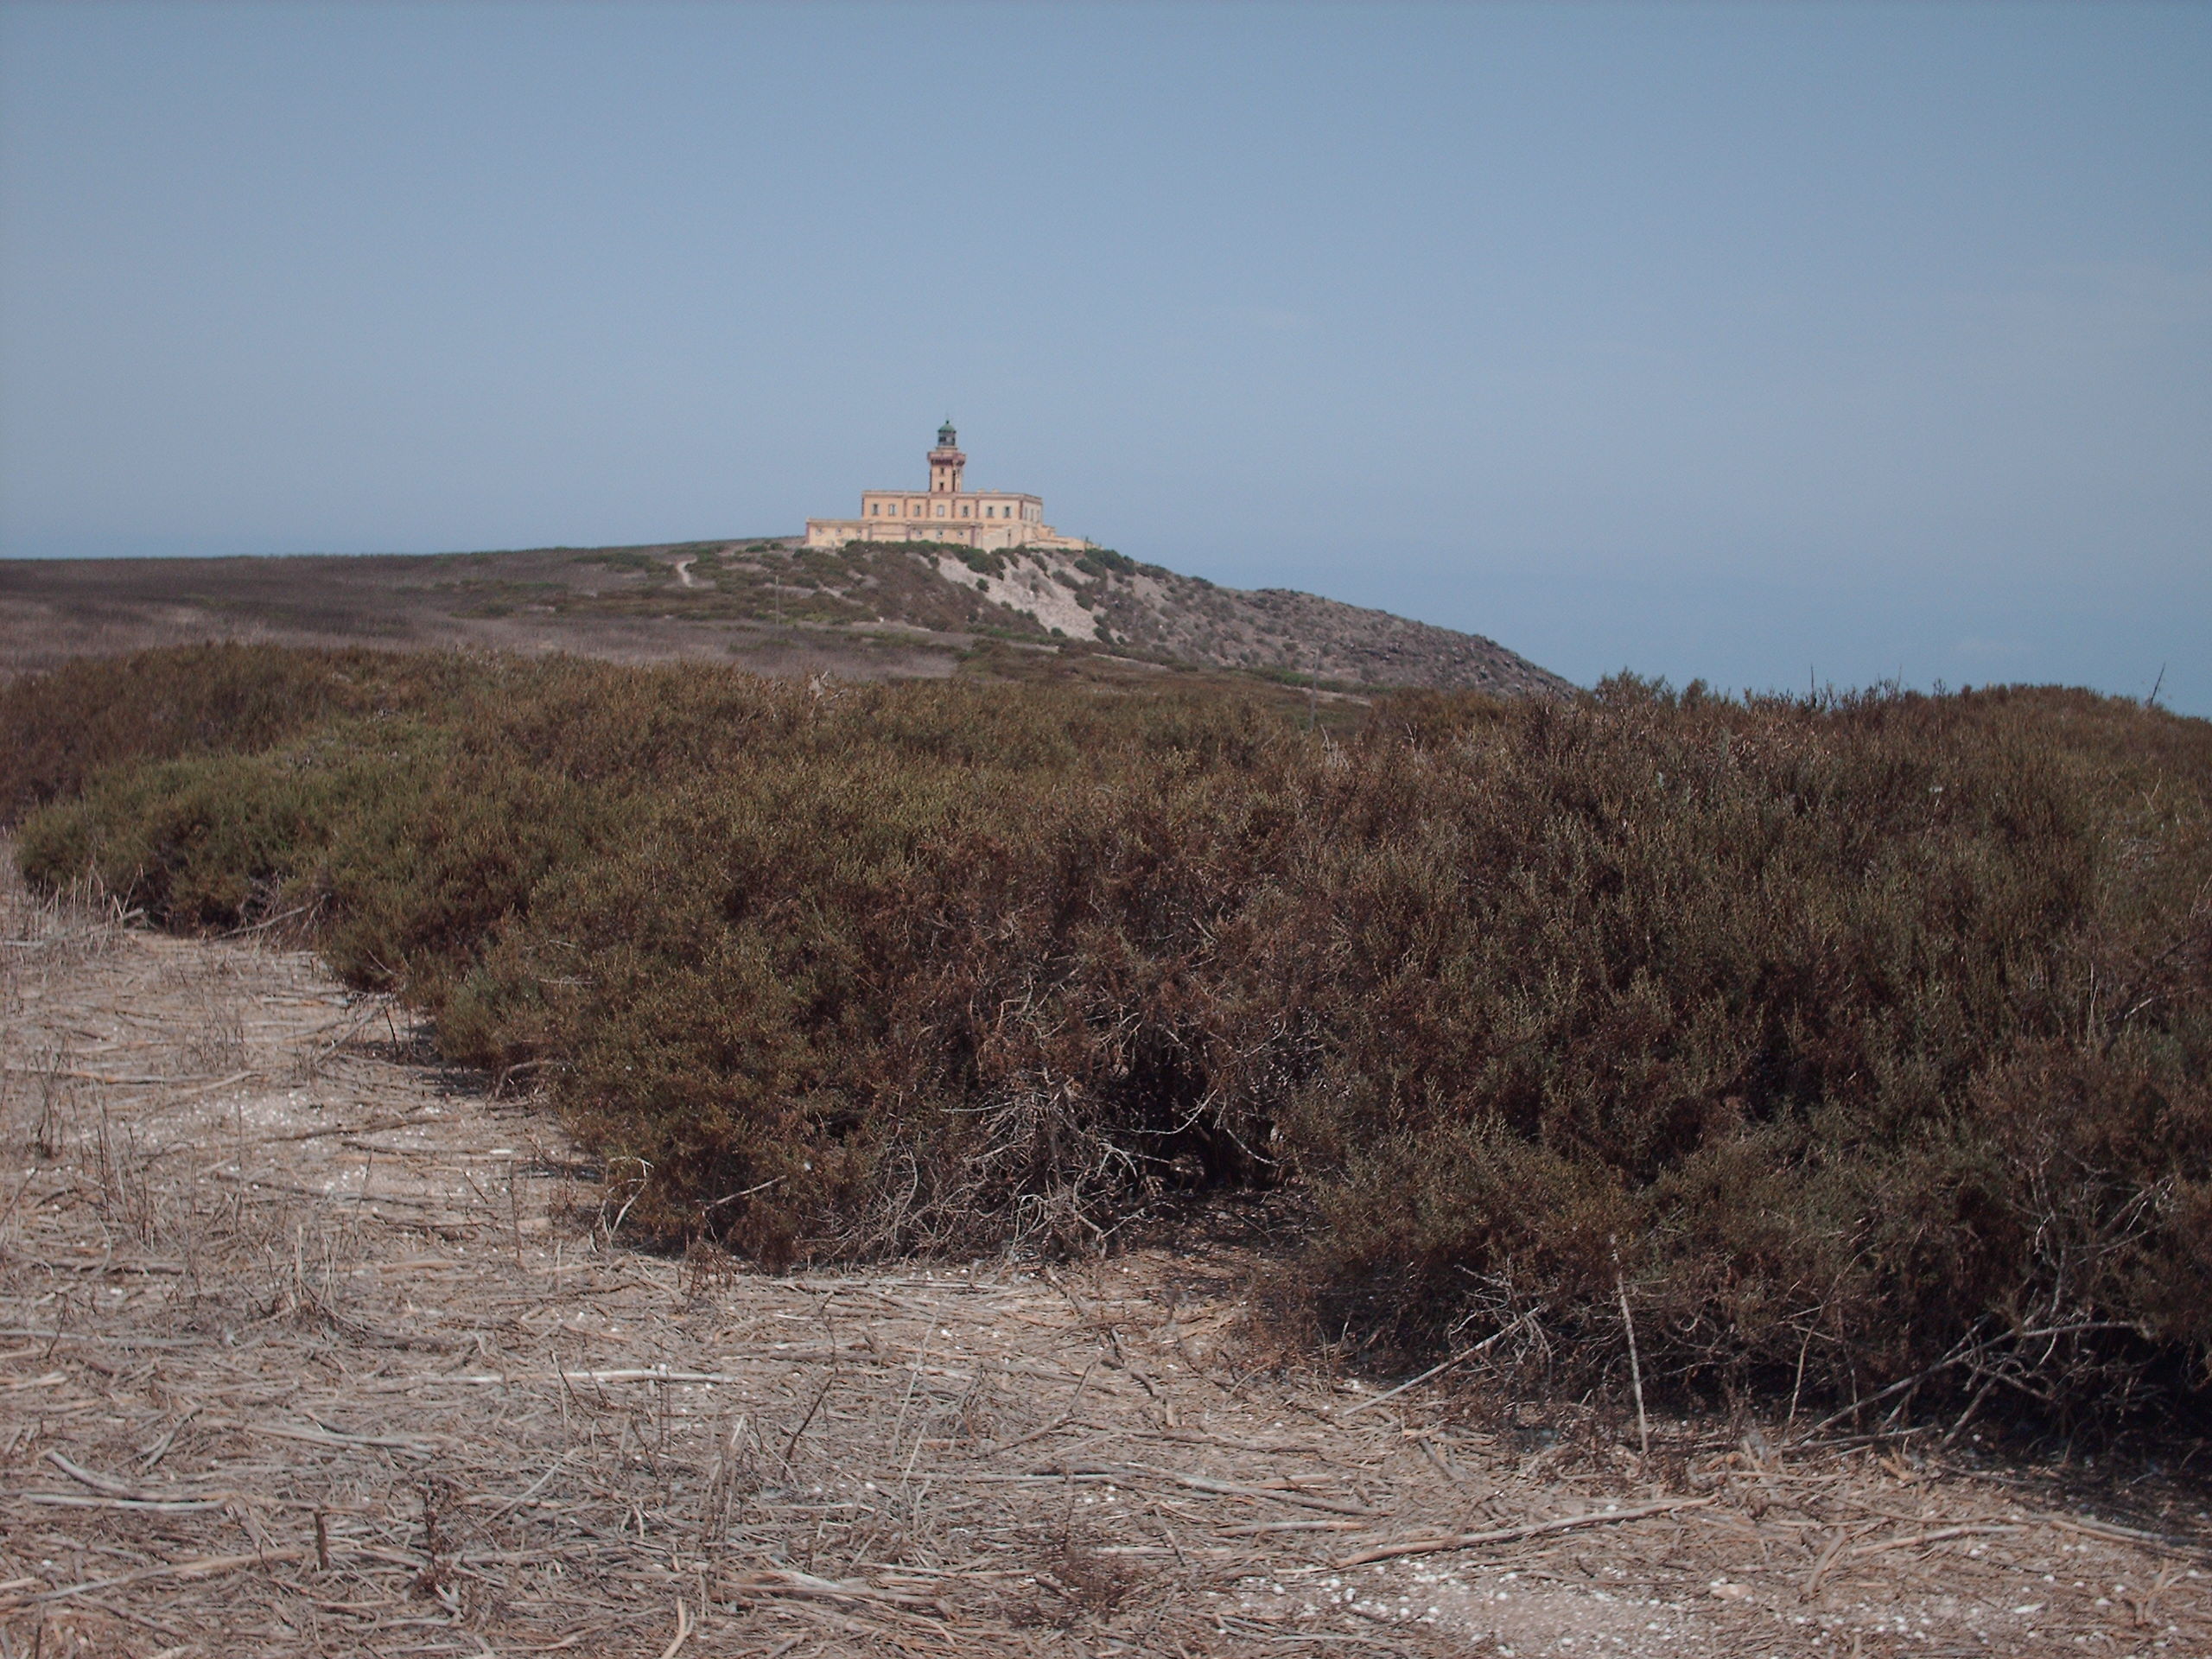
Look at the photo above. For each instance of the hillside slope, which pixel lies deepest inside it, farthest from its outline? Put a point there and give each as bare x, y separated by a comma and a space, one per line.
876, 610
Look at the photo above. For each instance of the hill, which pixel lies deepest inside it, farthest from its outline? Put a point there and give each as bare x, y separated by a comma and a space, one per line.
870, 611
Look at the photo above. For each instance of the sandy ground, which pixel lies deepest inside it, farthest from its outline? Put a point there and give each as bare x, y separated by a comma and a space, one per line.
307, 1346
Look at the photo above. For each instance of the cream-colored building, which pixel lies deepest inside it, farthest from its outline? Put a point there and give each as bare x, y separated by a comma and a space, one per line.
945, 512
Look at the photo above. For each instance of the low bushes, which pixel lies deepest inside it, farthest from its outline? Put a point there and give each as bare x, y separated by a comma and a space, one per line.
1854, 1041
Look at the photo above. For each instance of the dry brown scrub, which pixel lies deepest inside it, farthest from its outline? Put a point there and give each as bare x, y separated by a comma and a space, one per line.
311, 1347
1860, 1044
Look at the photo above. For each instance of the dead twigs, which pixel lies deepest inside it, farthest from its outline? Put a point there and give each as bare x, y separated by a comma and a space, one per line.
206, 1566
1635, 1365
1437, 1545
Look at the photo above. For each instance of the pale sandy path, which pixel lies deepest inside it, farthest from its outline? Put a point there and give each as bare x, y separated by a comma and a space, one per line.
309, 1348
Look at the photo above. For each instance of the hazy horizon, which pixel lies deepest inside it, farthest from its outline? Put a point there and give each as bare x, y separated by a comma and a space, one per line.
1759, 346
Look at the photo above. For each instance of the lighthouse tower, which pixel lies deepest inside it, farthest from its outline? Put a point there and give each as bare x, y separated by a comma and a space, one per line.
946, 462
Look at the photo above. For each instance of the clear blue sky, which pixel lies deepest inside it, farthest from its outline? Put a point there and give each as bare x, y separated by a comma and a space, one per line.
1752, 343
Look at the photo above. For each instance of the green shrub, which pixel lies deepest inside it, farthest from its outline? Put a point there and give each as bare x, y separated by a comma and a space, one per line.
1104, 562
1853, 1040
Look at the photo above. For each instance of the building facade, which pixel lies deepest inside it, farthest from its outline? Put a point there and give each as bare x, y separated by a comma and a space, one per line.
945, 512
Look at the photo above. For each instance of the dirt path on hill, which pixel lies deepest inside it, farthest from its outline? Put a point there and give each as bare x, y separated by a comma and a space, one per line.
309, 1346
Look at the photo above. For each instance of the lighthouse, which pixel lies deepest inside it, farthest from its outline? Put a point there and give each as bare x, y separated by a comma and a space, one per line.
947, 511
946, 461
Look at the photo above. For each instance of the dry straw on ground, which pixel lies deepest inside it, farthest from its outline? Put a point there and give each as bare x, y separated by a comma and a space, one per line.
306, 1346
